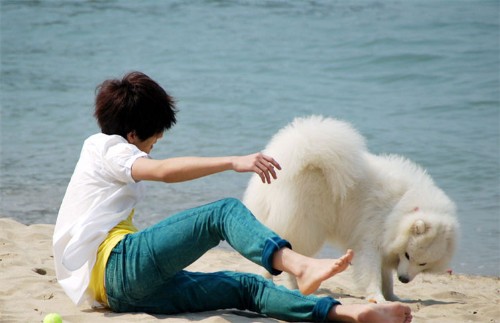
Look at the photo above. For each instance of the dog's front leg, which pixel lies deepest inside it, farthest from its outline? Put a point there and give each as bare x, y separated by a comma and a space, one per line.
367, 266
387, 284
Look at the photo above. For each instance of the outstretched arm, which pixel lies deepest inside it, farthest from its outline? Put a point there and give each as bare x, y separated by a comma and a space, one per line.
182, 169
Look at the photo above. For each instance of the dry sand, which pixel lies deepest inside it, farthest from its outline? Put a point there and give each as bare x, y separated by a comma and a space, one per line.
29, 289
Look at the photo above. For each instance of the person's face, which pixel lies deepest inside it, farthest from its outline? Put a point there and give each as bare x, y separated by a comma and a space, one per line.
144, 145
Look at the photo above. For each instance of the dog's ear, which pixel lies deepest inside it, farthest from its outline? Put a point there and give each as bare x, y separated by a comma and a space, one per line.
419, 227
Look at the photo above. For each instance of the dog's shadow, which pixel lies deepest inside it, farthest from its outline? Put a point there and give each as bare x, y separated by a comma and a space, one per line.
429, 302
421, 302
336, 295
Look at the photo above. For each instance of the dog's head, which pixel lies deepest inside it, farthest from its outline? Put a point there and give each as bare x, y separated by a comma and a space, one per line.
430, 244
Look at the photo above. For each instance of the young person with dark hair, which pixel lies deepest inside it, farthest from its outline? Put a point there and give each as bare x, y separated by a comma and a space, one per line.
100, 255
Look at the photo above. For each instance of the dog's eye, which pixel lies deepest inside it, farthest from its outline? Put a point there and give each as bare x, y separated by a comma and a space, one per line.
422, 264
407, 256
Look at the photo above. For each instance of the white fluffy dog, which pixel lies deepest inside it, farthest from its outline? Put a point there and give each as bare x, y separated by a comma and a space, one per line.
385, 208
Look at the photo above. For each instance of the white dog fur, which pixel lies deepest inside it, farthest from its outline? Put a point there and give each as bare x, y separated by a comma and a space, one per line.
386, 208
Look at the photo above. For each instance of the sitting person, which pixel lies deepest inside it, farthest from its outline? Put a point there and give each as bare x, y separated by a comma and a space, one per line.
100, 256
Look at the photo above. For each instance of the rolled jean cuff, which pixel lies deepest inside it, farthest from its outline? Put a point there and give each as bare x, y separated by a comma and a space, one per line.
272, 245
322, 308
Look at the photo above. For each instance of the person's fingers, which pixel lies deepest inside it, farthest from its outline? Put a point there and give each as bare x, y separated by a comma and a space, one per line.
260, 172
268, 168
265, 167
264, 172
273, 172
272, 161
270, 164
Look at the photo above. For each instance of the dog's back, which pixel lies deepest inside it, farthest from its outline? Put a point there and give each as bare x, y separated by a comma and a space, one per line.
322, 160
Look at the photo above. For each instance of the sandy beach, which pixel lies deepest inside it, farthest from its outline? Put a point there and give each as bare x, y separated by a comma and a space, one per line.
29, 289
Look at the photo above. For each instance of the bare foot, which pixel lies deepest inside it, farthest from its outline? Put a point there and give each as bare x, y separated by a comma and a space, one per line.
315, 271
371, 313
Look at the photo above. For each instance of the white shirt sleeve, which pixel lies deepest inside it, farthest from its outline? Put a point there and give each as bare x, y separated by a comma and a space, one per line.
118, 160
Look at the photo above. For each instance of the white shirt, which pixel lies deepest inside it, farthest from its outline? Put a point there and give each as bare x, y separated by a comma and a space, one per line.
101, 193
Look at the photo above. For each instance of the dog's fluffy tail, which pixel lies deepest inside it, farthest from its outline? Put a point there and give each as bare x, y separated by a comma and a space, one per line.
332, 146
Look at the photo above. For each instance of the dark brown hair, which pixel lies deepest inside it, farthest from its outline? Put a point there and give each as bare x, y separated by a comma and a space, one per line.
134, 103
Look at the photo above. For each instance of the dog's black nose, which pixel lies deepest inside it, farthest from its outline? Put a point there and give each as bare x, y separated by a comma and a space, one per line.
404, 279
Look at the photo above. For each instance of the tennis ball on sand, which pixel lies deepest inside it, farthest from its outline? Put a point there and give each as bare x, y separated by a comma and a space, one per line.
52, 318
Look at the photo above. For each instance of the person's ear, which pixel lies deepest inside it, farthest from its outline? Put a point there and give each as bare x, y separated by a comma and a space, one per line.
132, 137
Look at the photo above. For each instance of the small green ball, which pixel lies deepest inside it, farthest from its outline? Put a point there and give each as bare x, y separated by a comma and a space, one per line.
52, 318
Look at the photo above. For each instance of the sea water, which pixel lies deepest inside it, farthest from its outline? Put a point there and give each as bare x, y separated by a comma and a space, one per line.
416, 78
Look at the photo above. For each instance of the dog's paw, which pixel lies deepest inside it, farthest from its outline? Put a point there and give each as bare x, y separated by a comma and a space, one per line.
394, 298
376, 298
380, 299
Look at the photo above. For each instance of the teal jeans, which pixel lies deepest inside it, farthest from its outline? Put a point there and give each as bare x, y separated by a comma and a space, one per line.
145, 271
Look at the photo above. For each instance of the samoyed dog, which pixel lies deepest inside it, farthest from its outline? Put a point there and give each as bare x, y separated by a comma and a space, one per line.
332, 189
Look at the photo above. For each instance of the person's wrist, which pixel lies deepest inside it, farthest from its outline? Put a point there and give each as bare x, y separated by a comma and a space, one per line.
233, 163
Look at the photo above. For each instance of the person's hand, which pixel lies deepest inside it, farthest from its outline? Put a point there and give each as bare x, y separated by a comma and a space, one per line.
259, 163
